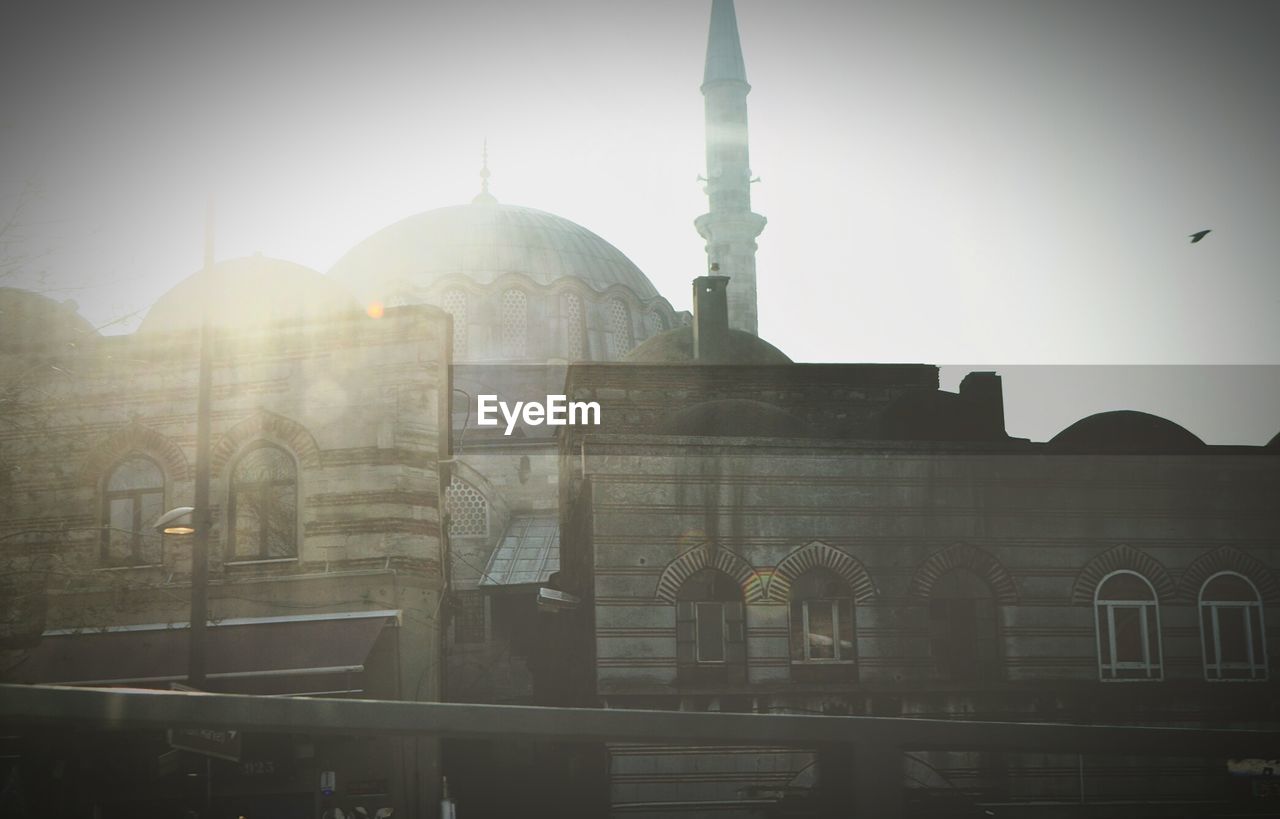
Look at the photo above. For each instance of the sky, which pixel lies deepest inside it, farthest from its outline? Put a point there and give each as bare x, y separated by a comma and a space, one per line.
948, 181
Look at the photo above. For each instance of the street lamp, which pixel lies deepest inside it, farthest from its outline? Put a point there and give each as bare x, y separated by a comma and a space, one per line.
196, 519
176, 521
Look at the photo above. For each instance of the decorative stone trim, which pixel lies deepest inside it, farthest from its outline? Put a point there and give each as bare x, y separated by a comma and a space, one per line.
1228, 559
135, 437
815, 555
702, 557
1122, 557
964, 556
265, 424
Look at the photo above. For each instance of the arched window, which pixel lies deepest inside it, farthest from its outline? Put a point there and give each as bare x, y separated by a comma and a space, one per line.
262, 505
710, 628
515, 323
575, 328
964, 637
467, 509
1231, 629
132, 499
1128, 620
621, 339
821, 618
455, 304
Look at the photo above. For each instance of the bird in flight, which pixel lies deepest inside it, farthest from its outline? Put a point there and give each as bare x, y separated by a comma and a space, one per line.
1198, 235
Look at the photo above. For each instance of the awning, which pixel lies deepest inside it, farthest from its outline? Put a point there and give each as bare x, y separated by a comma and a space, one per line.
307, 654
528, 553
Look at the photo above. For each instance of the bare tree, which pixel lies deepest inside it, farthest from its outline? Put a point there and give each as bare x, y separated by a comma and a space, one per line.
17, 236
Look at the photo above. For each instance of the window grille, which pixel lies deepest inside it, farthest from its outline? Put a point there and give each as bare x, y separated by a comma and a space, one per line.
515, 323
574, 326
620, 338
455, 304
467, 509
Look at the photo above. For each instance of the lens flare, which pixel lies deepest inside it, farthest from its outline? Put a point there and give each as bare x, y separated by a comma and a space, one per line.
375, 309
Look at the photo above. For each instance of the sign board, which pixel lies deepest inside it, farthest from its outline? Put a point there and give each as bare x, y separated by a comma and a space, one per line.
207, 741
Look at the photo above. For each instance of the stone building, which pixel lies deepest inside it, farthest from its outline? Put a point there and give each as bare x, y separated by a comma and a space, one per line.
528, 292
745, 533
848, 539
329, 430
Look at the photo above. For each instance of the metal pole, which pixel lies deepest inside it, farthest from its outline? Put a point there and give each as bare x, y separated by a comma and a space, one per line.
201, 517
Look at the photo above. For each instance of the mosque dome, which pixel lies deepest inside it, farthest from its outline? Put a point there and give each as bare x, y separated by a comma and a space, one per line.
676, 347
251, 291
483, 242
30, 321
1126, 431
521, 284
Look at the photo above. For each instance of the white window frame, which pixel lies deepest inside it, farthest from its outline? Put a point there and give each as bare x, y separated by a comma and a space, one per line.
834, 603
1107, 667
1256, 667
697, 633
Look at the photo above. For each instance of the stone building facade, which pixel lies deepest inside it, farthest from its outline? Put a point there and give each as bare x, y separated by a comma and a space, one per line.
744, 533
527, 292
847, 539
330, 437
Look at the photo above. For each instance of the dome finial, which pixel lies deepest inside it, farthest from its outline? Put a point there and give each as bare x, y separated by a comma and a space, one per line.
484, 197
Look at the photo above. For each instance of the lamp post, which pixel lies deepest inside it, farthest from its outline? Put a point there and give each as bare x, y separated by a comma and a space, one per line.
202, 520
197, 519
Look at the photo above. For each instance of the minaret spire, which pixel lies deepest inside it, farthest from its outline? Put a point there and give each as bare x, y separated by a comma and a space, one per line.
729, 227
484, 197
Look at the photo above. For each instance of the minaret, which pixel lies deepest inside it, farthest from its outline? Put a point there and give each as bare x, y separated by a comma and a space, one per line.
484, 197
729, 226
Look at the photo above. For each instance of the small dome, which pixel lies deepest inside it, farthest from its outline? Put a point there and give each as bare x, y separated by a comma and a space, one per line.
676, 347
249, 292
484, 241
29, 321
1126, 431
934, 415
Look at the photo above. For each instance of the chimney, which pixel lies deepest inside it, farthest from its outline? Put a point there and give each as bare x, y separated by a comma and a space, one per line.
710, 318
984, 391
